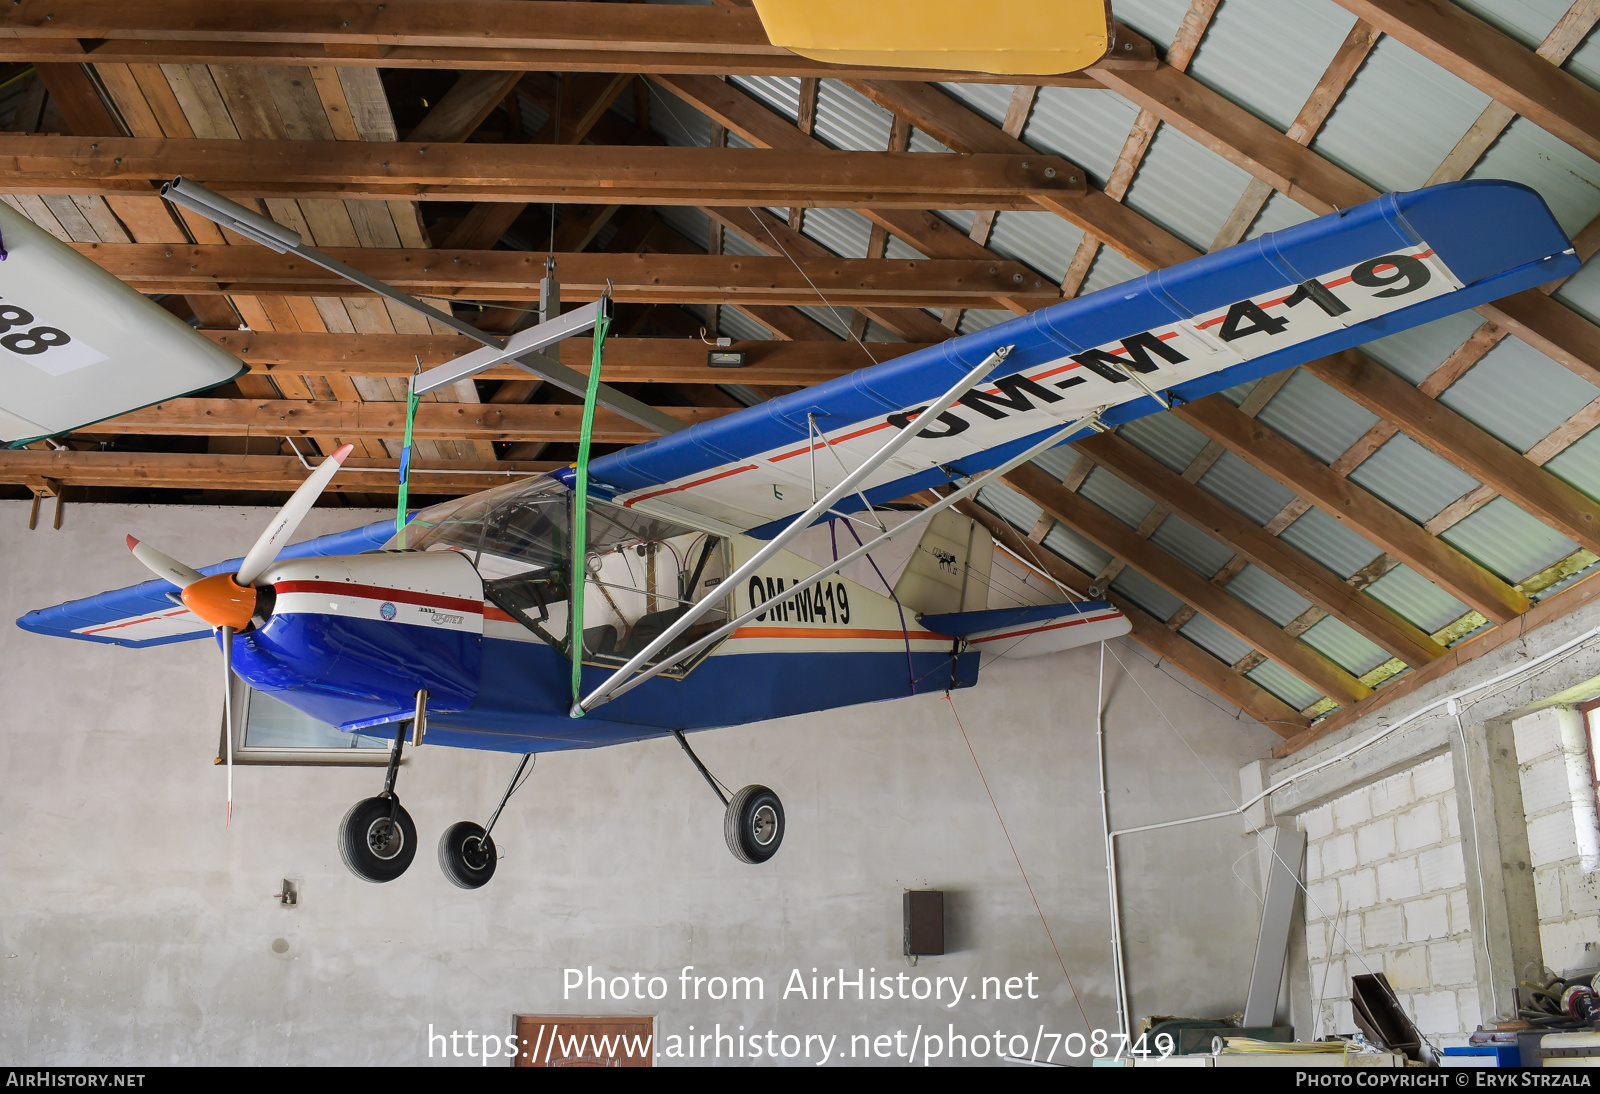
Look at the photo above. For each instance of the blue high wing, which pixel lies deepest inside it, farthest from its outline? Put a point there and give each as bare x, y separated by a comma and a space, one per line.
1184, 332
149, 614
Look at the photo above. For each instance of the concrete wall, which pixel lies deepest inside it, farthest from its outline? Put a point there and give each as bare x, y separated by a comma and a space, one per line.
1387, 892
134, 929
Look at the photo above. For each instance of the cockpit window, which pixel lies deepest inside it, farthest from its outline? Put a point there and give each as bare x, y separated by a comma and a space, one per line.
642, 572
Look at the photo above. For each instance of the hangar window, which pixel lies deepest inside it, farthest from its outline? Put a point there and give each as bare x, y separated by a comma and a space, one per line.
266, 731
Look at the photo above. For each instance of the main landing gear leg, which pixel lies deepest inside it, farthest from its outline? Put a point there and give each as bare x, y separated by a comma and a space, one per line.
466, 852
377, 839
752, 820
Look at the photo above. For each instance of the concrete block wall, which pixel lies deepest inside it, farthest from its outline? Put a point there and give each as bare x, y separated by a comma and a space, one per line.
1558, 799
1386, 892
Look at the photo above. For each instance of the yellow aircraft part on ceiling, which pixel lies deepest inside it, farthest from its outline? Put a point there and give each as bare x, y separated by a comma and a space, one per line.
1006, 37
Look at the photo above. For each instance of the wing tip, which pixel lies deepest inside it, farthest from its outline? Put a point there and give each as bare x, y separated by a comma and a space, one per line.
132, 543
343, 453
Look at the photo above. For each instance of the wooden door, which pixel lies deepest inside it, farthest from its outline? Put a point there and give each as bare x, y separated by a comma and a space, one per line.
566, 1041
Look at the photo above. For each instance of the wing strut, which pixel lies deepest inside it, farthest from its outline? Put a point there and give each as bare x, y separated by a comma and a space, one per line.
522, 349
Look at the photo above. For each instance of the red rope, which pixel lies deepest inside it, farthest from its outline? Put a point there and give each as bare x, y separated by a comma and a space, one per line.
1020, 868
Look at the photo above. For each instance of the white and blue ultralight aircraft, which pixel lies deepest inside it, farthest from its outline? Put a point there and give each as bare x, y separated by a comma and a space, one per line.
713, 568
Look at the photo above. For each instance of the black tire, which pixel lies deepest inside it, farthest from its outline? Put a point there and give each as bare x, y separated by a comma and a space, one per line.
467, 855
753, 825
373, 849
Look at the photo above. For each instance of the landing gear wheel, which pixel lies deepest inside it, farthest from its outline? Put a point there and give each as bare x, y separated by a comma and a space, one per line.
753, 824
467, 855
374, 847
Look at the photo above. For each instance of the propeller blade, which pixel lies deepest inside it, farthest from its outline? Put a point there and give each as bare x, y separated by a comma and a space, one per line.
163, 566
227, 712
289, 517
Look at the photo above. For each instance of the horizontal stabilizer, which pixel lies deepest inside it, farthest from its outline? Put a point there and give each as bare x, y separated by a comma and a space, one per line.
1034, 630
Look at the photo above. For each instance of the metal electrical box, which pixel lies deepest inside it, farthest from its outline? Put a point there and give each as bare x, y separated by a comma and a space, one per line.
924, 922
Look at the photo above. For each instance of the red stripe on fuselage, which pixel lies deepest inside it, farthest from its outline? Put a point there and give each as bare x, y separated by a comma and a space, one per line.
373, 592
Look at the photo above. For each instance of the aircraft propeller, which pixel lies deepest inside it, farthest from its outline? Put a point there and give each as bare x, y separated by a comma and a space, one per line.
228, 601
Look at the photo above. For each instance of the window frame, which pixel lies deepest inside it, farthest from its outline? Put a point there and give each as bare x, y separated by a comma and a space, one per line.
308, 756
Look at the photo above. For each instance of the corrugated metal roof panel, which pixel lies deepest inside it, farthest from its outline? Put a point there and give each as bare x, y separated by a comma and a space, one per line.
1284, 684
1267, 55
736, 324
1581, 292
1190, 546
1397, 149
781, 94
1115, 497
1267, 595
1185, 187
1327, 541
675, 121
848, 119
1580, 464
899, 248
694, 225
1417, 599
1568, 180
1508, 541
1528, 21
1279, 212
1042, 240
843, 231
835, 319
1416, 353
1585, 62
1245, 488
1213, 639
1344, 647
1316, 417
1109, 269
1518, 394
989, 100
1058, 461
1086, 126
1411, 478
1166, 437
1566, 582
1157, 20
1074, 548
921, 142
1145, 593
978, 318
1010, 506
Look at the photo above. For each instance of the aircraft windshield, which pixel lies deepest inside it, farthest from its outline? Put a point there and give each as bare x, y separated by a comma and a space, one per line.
642, 572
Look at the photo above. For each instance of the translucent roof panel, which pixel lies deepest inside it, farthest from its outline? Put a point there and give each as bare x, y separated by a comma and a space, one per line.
1508, 541
1246, 489
1166, 437
1568, 180
1185, 187
1416, 353
1315, 417
1580, 464
1416, 599
1412, 479
1146, 593
1267, 55
1518, 394
1075, 549
1190, 546
1284, 684
1116, 497
1267, 595
1397, 149
1334, 545
1213, 639
1344, 647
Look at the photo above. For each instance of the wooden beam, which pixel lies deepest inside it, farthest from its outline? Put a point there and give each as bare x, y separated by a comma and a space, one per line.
1494, 63
1234, 615
1546, 611
471, 34
1449, 435
434, 421
1229, 686
515, 275
277, 474
627, 360
1347, 503
462, 109
1229, 527
599, 174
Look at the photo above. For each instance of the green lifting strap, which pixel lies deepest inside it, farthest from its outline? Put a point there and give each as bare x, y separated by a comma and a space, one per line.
580, 517
405, 455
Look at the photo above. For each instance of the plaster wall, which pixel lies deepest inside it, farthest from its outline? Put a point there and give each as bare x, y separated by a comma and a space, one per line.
135, 930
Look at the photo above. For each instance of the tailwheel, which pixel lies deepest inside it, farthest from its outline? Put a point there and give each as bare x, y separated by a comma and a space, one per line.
467, 855
753, 824
377, 839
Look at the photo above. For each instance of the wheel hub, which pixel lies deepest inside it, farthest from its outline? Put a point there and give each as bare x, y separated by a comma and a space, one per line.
764, 825
474, 854
385, 838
